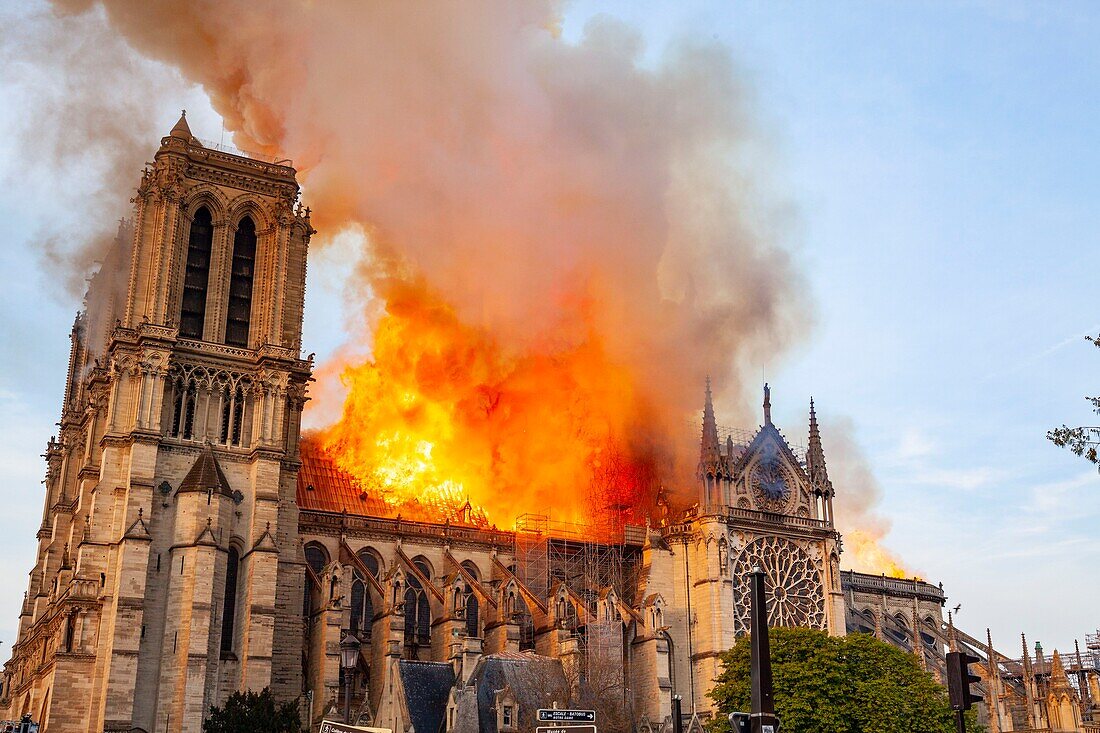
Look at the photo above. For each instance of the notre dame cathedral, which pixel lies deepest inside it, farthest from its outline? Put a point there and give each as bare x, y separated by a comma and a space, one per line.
193, 545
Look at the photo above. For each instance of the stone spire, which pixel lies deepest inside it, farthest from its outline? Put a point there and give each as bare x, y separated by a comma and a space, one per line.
815, 466
1082, 677
181, 129
710, 444
1029, 683
1059, 682
815, 454
710, 456
767, 404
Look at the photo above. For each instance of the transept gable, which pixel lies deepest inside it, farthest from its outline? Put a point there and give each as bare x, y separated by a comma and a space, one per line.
769, 441
771, 475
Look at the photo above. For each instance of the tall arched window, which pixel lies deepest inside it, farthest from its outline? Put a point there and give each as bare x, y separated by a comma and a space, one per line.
183, 413
418, 612
472, 626
196, 275
316, 559
240, 284
233, 400
362, 608
229, 611
470, 602
526, 624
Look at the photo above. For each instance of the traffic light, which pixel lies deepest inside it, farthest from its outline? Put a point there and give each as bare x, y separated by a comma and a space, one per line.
959, 680
739, 722
742, 723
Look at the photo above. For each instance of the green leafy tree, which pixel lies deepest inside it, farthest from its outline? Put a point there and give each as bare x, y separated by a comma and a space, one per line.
825, 684
1083, 440
253, 712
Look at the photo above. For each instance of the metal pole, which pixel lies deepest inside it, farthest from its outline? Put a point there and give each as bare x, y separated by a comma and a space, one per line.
347, 696
763, 703
677, 716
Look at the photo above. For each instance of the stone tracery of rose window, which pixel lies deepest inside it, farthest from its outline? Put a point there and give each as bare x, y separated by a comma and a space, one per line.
792, 583
770, 482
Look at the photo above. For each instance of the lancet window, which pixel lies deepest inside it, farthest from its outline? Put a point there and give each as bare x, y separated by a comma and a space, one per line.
362, 608
470, 602
183, 412
316, 560
229, 599
239, 314
232, 414
418, 612
196, 275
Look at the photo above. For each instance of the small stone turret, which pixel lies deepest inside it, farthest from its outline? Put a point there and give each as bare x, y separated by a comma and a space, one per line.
712, 471
820, 484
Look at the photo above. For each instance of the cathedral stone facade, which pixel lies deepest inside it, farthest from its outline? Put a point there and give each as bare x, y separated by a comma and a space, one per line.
193, 545
168, 556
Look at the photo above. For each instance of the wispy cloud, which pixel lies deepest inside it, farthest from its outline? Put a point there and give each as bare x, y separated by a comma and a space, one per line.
1056, 497
915, 443
963, 479
1022, 364
918, 459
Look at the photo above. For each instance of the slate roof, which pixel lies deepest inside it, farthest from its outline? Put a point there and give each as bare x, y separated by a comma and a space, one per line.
496, 671
427, 686
206, 474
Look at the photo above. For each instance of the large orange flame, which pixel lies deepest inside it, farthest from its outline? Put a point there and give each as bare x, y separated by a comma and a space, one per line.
866, 555
443, 414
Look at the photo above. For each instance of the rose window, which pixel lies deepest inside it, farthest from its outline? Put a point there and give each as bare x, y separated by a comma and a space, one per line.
770, 486
792, 582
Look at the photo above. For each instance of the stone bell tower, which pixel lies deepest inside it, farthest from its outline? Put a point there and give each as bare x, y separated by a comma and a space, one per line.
168, 556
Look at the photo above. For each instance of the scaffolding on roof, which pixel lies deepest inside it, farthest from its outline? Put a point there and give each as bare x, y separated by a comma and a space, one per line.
1092, 649
593, 561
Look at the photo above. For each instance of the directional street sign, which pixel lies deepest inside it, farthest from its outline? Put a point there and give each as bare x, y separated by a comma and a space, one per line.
566, 729
328, 726
566, 716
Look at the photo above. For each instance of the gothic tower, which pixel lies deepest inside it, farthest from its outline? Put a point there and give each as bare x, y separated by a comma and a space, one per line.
168, 557
760, 503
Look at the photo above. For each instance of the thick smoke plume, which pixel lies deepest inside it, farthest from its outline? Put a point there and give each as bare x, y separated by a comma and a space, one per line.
555, 198
856, 503
559, 217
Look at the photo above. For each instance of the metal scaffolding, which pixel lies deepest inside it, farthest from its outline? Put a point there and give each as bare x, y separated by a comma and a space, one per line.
594, 561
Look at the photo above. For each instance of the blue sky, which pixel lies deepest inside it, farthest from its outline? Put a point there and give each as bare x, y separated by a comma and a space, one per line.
941, 165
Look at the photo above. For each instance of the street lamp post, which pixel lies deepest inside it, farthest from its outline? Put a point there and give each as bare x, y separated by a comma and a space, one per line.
349, 660
763, 706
